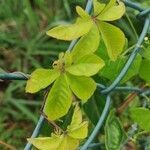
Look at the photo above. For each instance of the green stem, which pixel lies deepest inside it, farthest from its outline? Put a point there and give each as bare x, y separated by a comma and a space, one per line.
141, 133
128, 50
132, 26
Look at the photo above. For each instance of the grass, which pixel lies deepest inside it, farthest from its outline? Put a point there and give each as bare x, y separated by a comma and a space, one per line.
24, 47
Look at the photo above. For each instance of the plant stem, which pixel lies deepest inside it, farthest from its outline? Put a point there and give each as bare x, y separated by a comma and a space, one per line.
128, 50
132, 26
56, 127
7, 145
129, 99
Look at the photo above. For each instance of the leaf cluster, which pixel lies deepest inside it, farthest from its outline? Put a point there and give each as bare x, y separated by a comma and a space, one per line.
71, 79
69, 140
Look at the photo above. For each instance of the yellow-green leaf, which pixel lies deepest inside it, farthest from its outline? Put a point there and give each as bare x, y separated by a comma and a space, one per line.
98, 7
87, 44
82, 87
109, 5
68, 58
76, 117
77, 129
114, 39
47, 143
113, 13
82, 13
59, 99
69, 143
56, 142
40, 79
79, 132
87, 66
70, 32
70, 140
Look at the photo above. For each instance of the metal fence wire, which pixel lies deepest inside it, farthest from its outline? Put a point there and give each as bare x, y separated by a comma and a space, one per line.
113, 87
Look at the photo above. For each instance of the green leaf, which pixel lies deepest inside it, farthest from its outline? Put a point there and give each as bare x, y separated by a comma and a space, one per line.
145, 70
59, 99
77, 129
114, 132
113, 68
113, 13
71, 32
142, 117
133, 70
94, 106
82, 13
87, 66
56, 142
114, 39
82, 87
40, 79
102, 51
87, 44
98, 7
146, 52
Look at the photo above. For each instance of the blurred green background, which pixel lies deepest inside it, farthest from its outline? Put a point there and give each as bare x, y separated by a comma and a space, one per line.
24, 46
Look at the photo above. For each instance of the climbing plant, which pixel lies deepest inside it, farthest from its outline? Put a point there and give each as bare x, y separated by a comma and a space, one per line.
71, 72
99, 54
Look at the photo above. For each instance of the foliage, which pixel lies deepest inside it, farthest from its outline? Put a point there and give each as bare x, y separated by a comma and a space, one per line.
70, 76
102, 13
115, 135
137, 116
98, 56
24, 47
72, 72
145, 71
69, 140
112, 69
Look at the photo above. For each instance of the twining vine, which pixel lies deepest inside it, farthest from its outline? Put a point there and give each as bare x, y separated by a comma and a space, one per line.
71, 72
70, 84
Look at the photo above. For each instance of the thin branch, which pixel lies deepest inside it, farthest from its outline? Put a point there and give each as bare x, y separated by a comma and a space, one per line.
129, 99
8, 146
56, 127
